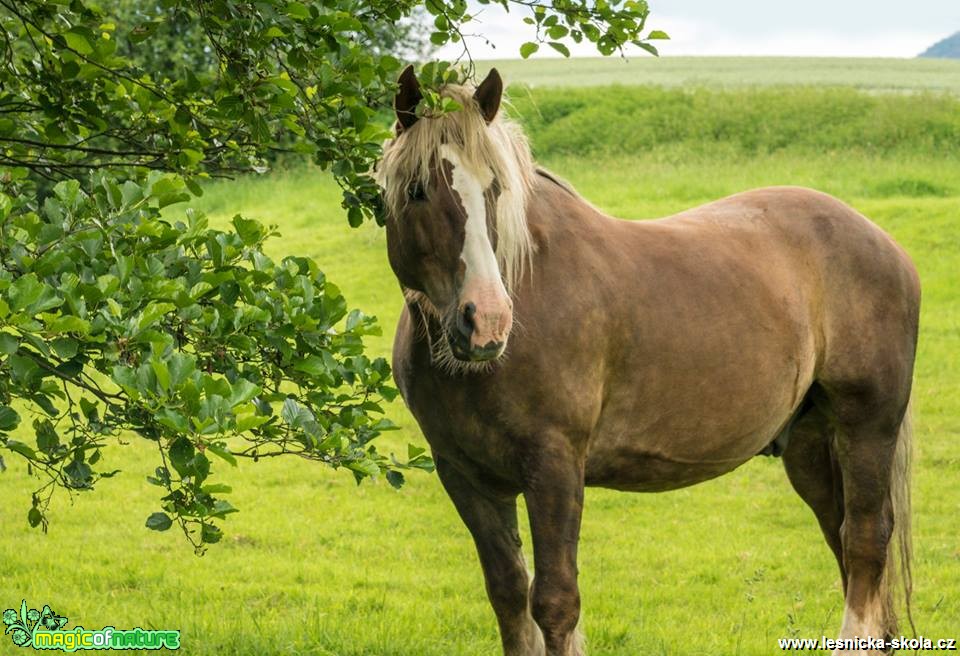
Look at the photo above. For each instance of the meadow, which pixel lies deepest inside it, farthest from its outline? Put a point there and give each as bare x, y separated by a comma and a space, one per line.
315, 565
873, 74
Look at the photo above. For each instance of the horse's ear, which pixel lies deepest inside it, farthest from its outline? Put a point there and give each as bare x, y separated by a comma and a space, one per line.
407, 98
488, 95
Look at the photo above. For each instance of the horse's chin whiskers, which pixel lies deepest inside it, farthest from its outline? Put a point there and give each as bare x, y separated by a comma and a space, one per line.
442, 357
441, 354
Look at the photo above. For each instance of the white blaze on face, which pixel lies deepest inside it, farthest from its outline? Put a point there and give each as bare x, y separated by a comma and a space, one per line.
482, 284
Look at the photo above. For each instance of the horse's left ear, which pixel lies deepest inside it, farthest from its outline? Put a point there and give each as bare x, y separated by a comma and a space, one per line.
488, 95
407, 98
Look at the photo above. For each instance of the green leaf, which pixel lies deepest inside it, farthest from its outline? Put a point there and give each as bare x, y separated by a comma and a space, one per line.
189, 157
180, 366
6, 126
295, 414
249, 421
8, 344
223, 453
28, 293
649, 48
528, 49
65, 347
79, 473
313, 365
159, 521
25, 370
242, 391
222, 508
355, 217
153, 313
9, 419
68, 191
78, 41
47, 439
181, 455
559, 47
395, 479
200, 465
173, 420
162, 373
250, 231
658, 34
210, 534
68, 324
297, 10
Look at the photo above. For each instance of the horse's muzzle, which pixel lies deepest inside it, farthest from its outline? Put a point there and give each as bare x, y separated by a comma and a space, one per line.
470, 335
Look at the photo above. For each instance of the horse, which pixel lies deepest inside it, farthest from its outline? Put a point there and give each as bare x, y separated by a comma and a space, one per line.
545, 346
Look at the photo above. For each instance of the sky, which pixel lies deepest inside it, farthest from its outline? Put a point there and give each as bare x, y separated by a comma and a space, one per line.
827, 28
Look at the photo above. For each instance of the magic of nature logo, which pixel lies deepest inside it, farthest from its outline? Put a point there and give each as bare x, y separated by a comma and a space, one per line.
44, 629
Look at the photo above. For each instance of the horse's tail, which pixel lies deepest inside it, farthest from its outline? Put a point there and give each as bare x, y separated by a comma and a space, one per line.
898, 572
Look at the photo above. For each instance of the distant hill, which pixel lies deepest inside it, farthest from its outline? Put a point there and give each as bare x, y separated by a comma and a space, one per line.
949, 48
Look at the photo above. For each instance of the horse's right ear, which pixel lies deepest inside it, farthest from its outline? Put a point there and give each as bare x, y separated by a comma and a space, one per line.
407, 98
488, 95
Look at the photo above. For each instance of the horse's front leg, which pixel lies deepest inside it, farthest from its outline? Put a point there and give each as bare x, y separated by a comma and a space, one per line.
554, 494
492, 521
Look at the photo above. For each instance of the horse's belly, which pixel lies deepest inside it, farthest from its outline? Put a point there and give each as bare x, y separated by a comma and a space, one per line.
638, 471
669, 453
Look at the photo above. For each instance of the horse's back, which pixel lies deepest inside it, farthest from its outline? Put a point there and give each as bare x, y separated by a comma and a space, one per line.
817, 224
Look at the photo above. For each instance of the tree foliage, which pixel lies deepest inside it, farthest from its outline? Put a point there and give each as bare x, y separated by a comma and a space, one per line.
121, 312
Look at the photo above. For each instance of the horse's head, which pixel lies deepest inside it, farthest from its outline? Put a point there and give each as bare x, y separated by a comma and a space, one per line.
445, 181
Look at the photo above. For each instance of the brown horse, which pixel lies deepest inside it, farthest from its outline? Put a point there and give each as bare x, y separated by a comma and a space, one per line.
642, 356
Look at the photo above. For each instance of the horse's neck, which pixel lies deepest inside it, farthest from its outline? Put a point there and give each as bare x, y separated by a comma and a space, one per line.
553, 205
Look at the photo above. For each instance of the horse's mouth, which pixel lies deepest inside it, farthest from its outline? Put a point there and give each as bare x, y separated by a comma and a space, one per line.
467, 353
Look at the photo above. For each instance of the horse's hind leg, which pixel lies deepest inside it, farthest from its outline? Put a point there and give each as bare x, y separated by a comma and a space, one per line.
868, 427
492, 520
814, 472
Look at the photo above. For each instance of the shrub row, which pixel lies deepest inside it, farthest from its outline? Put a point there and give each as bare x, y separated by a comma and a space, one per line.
635, 119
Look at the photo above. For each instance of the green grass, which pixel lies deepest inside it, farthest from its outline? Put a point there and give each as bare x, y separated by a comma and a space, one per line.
315, 565
733, 72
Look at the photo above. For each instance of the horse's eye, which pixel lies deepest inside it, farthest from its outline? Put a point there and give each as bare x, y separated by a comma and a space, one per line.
416, 192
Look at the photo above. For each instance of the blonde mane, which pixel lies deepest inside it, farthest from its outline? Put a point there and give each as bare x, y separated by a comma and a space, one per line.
499, 147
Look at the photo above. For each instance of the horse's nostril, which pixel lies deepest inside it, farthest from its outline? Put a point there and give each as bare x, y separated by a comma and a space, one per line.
465, 322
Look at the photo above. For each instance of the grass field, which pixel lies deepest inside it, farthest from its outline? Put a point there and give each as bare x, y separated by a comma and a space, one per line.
315, 565
730, 72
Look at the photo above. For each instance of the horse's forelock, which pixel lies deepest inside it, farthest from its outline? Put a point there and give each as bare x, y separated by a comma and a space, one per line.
499, 147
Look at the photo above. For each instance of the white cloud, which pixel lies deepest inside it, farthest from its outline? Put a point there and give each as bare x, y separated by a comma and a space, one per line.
695, 38
507, 31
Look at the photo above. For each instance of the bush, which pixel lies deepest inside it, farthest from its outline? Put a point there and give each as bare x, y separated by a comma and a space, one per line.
634, 120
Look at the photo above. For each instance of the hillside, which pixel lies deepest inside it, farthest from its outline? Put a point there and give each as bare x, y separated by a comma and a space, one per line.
949, 48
